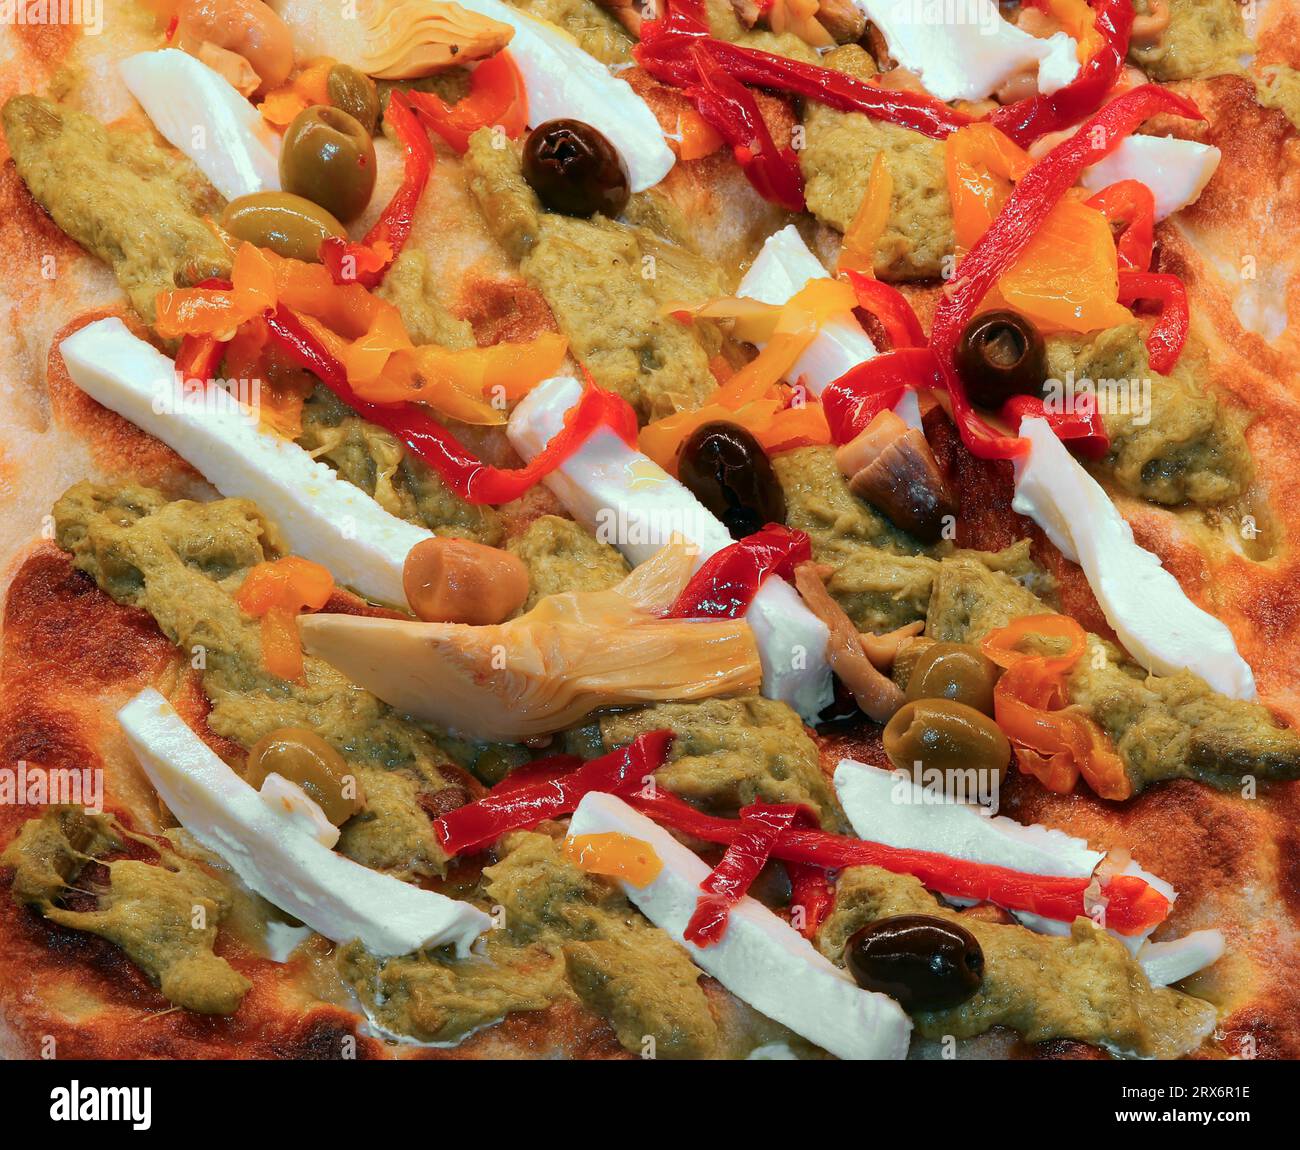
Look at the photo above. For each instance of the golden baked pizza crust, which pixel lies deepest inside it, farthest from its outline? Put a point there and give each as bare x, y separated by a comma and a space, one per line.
69, 655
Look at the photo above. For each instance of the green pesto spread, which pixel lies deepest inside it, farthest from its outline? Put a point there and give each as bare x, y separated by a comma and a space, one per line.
119, 195
563, 935
1277, 86
729, 753
837, 156
561, 556
410, 286
183, 562
1162, 726
1185, 448
372, 459
1086, 986
1204, 38
607, 284
163, 916
596, 30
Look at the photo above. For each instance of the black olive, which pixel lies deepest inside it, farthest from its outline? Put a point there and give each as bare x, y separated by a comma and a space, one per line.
574, 170
727, 471
1000, 355
923, 961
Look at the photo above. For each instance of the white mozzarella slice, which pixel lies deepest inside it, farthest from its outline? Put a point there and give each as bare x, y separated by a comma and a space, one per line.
631, 502
563, 81
1060, 65
783, 267
319, 516
276, 857
761, 958
1155, 621
1165, 963
200, 112
961, 50
290, 799
1175, 170
884, 807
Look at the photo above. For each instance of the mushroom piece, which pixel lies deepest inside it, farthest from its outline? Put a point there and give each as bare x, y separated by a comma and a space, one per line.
1150, 26
877, 696
843, 19
891, 466
882, 650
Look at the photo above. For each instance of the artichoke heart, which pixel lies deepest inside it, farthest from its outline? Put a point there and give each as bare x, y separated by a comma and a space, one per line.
406, 39
573, 653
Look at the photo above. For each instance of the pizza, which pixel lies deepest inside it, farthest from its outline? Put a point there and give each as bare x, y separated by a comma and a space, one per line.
689, 530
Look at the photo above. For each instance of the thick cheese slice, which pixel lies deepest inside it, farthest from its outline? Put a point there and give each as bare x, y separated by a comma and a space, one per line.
1165, 963
563, 81
200, 112
319, 516
961, 49
632, 503
1155, 621
1175, 170
783, 267
272, 853
761, 958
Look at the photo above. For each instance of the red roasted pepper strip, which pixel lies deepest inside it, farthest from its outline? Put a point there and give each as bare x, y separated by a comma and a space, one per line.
370, 258
665, 54
1166, 339
1026, 120
540, 771
1085, 432
760, 826
1131, 203
1132, 907
811, 894
890, 306
1028, 205
731, 110
496, 96
481, 823
467, 475
728, 580
863, 392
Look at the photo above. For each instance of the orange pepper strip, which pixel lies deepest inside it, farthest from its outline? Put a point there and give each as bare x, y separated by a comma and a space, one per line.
276, 592
615, 855
497, 97
697, 138
1068, 275
858, 253
1054, 742
309, 87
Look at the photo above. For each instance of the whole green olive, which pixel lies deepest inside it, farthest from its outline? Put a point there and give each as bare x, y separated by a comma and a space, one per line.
355, 92
922, 961
287, 224
946, 736
574, 169
1001, 354
329, 157
729, 472
303, 757
954, 671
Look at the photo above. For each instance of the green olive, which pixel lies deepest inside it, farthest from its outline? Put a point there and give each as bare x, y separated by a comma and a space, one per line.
329, 157
355, 93
949, 737
303, 757
287, 224
954, 671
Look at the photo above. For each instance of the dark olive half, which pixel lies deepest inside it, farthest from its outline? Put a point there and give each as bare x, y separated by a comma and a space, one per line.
922, 961
575, 170
729, 472
1001, 354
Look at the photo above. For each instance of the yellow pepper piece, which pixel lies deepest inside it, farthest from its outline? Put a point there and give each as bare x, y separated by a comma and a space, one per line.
858, 253
614, 855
